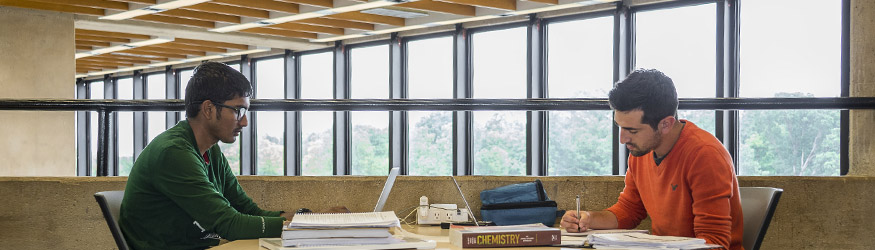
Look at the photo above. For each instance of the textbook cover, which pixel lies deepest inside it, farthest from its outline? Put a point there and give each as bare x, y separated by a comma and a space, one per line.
505, 236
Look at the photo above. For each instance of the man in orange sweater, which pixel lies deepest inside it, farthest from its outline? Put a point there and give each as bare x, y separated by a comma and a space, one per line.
679, 175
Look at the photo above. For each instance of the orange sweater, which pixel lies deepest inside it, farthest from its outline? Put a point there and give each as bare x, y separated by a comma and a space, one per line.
692, 193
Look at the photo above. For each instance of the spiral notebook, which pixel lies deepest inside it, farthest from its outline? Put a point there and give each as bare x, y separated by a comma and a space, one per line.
344, 220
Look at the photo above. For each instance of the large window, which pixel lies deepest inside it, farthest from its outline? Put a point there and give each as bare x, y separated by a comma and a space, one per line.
317, 81
790, 49
580, 65
232, 150
369, 79
270, 84
430, 133
499, 71
125, 89
681, 42
156, 89
96, 90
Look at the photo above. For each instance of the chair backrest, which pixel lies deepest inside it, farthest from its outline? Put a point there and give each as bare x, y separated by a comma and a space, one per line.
110, 202
758, 205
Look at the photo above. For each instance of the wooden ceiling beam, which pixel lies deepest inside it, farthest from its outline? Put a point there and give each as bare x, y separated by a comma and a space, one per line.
176, 20
175, 51
230, 10
93, 43
494, 4
148, 2
282, 33
318, 3
337, 23
84, 62
442, 7
212, 44
52, 7
101, 38
308, 28
112, 34
83, 47
369, 18
137, 51
263, 4
110, 58
174, 45
203, 16
90, 3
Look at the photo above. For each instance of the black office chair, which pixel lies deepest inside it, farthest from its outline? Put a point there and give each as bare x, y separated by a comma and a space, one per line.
110, 202
758, 205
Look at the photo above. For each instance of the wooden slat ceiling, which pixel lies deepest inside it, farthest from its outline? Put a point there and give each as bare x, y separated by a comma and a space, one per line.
219, 13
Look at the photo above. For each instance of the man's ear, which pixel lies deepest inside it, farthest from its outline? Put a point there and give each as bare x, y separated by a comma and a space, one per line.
208, 110
666, 124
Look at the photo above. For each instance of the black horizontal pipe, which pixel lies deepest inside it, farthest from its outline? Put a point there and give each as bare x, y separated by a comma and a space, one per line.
440, 104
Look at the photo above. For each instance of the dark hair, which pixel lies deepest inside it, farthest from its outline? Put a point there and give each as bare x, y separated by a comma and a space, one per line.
650, 91
216, 82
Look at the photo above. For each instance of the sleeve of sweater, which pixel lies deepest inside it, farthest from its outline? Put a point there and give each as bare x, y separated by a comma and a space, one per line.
710, 179
629, 209
182, 177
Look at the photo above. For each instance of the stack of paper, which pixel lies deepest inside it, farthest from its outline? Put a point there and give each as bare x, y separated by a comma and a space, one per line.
313, 229
646, 241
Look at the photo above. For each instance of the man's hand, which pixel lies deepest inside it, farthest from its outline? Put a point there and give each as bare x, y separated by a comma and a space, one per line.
288, 216
572, 224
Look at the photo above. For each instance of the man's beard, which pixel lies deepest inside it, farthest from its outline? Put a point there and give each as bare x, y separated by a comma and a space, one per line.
657, 138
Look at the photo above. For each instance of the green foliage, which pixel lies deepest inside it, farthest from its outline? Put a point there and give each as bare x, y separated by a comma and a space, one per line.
500, 146
318, 154
580, 143
370, 148
431, 146
270, 155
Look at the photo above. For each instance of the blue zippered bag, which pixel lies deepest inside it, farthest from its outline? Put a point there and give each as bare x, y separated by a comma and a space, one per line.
517, 204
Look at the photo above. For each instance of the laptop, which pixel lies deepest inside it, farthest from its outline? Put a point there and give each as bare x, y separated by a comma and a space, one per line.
390, 181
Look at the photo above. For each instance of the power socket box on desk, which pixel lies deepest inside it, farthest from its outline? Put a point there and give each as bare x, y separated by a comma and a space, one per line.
431, 215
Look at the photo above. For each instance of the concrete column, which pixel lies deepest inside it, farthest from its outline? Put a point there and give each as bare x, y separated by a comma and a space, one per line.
36, 61
862, 143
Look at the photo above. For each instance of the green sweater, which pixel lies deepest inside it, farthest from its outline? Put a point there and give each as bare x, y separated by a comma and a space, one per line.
176, 200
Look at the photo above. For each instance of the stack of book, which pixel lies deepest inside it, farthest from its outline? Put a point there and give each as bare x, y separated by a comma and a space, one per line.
314, 229
505, 236
647, 241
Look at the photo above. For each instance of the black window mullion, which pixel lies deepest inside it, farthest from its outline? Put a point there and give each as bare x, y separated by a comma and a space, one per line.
247, 135
462, 89
536, 125
844, 134
292, 138
342, 142
140, 119
397, 90
171, 92
83, 149
728, 75
624, 44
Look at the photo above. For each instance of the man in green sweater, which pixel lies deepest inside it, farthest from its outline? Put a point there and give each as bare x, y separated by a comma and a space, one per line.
181, 194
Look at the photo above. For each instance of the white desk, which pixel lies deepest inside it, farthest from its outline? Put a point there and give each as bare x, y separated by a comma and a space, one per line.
430, 232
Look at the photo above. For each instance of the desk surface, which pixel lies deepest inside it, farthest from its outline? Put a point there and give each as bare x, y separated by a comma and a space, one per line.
429, 232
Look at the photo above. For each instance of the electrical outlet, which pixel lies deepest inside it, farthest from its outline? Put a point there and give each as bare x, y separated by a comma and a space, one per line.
436, 213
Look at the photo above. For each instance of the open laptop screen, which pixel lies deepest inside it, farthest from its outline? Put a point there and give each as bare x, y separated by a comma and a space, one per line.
386, 189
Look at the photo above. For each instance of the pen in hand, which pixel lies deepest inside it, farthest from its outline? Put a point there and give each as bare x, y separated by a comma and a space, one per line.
578, 208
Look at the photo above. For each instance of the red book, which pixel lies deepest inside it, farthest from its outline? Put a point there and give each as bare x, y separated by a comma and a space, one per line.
505, 236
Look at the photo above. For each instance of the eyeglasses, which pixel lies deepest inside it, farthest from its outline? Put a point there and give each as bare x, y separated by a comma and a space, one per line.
241, 111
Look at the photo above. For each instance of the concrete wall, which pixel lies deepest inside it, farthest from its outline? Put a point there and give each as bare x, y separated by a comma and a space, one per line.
36, 61
61, 213
862, 141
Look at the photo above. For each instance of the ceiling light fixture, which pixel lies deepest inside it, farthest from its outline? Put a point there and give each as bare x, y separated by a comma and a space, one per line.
308, 15
126, 46
168, 5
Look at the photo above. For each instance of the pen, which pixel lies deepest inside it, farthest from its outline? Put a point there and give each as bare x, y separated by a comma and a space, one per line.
578, 207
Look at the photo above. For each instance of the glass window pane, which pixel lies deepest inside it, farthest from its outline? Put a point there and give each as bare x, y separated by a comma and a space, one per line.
96, 89
184, 76
156, 87
790, 46
789, 142
232, 151
580, 65
688, 57
499, 66
125, 128
270, 128
317, 144
369, 79
430, 133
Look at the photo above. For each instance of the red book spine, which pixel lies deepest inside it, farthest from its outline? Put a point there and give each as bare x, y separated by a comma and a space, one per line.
510, 239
